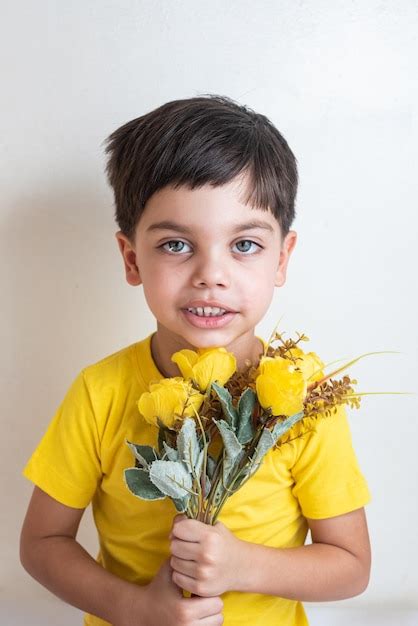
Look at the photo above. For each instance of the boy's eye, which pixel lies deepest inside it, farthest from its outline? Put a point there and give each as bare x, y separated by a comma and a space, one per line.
174, 246
245, 245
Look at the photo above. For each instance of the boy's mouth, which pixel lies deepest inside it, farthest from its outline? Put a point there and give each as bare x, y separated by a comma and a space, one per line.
207, 311
208, 316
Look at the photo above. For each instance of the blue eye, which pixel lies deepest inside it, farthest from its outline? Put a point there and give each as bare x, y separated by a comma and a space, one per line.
174, 245
246, 248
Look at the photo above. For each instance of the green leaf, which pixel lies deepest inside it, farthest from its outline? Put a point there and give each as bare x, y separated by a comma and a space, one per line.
229, 466
231, 444
233, 450
210, 466
265, 443
181, 503
269, 438
187, 445
229, 411
246, 403
281, 428
138, 482
144, 454
201, 458
171, 477
171, 453
243, 475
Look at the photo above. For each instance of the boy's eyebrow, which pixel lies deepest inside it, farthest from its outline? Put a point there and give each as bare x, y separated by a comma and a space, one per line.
169, 225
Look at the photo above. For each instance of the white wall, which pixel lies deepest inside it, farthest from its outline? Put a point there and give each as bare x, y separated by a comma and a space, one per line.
339, 79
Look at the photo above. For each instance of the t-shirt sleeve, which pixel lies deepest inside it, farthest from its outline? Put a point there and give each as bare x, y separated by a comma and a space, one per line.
66, 462
327, 477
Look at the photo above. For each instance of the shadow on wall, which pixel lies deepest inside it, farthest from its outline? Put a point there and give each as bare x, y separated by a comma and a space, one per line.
57, 286
57, 297
66, 302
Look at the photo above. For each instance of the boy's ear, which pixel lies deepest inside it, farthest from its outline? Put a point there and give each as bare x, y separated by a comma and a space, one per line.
285, 252
128, 252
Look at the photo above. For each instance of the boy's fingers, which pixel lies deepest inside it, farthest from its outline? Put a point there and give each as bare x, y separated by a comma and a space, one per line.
188, 550
189, 529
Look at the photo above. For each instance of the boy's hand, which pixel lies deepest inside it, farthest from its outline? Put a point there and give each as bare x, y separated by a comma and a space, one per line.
207, 560
162, 602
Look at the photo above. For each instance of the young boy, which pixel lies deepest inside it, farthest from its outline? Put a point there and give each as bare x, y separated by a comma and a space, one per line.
204, 192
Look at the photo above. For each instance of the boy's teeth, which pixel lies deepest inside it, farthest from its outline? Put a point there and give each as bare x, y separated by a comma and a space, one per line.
207, 311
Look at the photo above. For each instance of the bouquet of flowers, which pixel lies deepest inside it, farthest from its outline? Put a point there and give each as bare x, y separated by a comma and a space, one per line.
245, 413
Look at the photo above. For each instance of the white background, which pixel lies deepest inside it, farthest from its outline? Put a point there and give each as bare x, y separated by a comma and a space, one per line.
338, 78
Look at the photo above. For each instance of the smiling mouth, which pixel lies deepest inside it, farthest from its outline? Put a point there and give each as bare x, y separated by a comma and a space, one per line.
210, 311
208, 320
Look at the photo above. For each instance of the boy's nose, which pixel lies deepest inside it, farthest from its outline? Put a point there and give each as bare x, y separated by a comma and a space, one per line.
211, 273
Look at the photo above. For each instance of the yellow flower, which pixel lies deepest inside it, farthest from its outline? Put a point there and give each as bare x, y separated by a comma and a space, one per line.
280, 386
308, 363
169, 400
206, 366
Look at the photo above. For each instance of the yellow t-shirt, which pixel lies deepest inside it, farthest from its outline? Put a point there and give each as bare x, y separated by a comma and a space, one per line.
83, 453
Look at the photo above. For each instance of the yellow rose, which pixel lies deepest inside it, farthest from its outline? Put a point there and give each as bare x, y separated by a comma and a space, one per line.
308, 363
169, 399
280, 386
206, 366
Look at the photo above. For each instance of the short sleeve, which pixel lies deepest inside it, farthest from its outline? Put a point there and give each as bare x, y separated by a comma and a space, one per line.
66, 463
327, 477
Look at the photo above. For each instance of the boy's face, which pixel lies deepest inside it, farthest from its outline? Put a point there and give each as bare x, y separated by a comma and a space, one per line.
206, 248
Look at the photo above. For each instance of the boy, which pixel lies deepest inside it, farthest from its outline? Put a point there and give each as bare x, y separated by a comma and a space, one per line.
204, 193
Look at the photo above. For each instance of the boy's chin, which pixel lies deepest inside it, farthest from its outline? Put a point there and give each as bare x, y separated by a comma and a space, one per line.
210, 338
194, 338
203, 340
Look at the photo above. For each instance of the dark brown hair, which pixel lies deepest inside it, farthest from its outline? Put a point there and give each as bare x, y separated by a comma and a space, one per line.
196, 141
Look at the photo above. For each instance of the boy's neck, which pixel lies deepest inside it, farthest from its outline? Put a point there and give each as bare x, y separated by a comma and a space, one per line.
164, 345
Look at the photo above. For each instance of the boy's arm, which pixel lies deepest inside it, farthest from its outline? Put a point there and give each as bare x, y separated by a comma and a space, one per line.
335, 566
50, 553
210, 559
